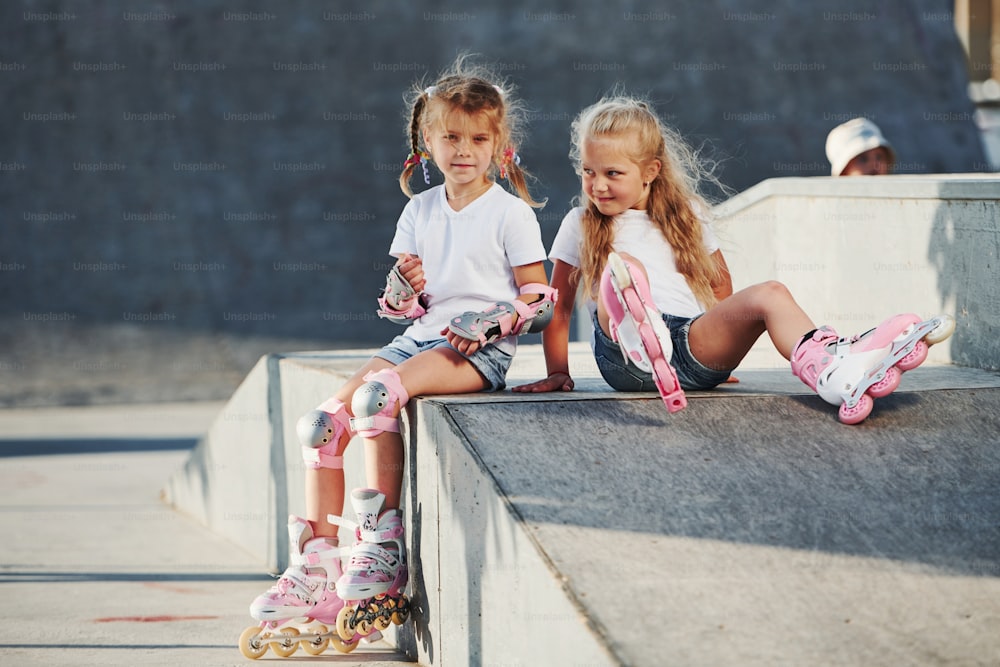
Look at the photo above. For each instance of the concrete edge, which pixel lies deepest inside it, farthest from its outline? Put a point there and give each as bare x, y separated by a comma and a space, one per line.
898, 186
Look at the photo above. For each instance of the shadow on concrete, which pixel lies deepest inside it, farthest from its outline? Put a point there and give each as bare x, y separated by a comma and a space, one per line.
61, 446
965, 250
35, 577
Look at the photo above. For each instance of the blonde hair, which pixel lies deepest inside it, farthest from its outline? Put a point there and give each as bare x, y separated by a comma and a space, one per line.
673, 194
472, 90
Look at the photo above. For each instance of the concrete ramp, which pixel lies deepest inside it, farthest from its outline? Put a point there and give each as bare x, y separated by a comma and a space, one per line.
753, 528
593, 528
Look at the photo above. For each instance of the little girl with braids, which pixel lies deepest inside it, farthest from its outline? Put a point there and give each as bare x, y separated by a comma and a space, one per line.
660, 295
468, 277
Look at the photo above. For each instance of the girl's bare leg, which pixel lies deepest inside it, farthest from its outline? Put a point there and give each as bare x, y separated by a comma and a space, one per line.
440, 371
723, 336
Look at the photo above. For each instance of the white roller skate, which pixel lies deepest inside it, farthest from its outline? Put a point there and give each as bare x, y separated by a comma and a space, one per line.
638, 327
372, 585
302, 607
851, 372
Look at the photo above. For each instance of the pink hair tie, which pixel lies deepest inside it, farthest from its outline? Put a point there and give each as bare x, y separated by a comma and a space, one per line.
509, 156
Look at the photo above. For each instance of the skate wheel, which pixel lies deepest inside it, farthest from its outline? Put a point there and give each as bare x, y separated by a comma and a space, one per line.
859, 412
941, 331
344, 627
887, 384
914, 358
251, 645
341, 645
402, 612
284, 643
317, 645
382, 622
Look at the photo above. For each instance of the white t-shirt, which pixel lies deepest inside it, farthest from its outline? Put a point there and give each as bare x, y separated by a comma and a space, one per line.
467, 255
636, 235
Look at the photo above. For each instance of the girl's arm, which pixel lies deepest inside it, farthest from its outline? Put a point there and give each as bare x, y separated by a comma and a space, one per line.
555, 337
723, 285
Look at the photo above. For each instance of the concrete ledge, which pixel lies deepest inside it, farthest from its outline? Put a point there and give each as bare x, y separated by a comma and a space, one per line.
856, 250
750, 528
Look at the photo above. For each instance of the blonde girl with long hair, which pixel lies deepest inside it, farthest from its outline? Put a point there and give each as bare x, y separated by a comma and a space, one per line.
642, 253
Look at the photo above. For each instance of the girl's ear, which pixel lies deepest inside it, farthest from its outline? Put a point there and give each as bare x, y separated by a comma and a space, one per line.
651, 171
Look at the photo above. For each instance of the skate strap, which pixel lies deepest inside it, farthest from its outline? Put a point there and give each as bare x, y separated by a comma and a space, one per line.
375, 423
318, 558
343, 522
317, 458
366, 552
383, 535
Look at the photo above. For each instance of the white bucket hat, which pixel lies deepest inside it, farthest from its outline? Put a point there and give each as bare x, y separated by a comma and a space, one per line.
849, 140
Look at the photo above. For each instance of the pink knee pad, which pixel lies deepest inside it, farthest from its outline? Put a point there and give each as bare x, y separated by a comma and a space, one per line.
320, 432
374, 403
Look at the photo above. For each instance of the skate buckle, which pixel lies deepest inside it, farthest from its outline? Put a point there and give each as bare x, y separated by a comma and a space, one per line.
675, 401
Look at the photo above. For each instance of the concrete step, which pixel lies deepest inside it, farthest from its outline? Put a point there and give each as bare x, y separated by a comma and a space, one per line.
592, 527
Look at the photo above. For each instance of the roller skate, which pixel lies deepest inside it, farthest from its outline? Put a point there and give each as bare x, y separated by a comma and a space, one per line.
372, 585
852, 372
638, 327
302, 607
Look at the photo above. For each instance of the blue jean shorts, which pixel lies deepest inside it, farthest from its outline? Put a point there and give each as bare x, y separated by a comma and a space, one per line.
626, 376
491, 362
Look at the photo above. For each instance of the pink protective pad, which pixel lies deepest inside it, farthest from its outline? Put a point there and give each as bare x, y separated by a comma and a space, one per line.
320, 433
399, 302
498, 320
490, 325
374, 403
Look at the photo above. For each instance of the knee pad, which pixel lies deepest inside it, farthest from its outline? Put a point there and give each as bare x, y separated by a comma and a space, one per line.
374, 403
320, 432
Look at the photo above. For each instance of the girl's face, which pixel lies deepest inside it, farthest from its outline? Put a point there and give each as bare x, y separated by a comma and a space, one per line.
611, 180
462, 147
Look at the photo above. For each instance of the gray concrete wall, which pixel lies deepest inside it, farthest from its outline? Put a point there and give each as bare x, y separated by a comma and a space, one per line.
230, 167
854, 251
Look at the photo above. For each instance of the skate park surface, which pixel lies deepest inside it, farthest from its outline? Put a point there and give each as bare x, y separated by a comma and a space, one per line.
585, 528
750, 528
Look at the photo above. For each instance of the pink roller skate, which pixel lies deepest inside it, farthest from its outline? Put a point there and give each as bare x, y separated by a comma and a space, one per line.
302, 607
376, 573
638, 327
851, 372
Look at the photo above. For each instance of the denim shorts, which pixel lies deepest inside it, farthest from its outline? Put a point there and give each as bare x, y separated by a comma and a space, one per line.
626, 376
491, 362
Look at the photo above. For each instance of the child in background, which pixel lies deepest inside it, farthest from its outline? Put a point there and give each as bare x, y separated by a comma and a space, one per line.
659, 292
468, 277
857, 148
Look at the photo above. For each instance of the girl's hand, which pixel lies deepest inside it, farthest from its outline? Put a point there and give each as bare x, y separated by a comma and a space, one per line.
558, 381
412, 268
463, 345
